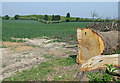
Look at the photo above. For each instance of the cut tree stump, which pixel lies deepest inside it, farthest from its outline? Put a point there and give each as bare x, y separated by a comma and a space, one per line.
92, 43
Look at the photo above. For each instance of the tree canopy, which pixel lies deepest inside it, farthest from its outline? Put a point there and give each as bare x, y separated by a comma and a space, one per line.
46, 17
68, 15
7, 17
16, 17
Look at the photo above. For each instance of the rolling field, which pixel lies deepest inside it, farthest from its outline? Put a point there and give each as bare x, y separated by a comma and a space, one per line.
38, 52
34, 29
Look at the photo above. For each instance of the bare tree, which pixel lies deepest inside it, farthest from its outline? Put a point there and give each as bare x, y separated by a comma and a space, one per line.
94, 14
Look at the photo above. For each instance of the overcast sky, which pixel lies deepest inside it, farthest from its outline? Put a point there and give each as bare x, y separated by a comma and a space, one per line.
76, 9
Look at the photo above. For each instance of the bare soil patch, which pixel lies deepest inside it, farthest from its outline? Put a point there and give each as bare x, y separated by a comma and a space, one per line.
22, 56
12, 44
23, 48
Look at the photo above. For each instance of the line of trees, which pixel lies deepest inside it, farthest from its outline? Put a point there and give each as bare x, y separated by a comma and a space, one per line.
6, 17
58, 18
55, 17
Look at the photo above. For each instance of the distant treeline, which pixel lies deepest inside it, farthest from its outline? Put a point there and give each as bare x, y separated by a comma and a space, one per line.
54, 18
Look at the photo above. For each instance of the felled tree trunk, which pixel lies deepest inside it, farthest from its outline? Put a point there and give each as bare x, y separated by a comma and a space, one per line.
98, 64
91, 43
111, 41
100, 61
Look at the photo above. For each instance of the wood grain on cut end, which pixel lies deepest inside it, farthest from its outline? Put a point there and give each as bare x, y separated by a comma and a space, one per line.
90, 44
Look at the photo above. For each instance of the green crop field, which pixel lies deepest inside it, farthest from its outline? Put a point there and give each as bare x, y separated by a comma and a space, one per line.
32, 29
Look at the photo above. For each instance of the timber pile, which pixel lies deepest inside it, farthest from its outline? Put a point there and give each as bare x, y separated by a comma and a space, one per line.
106, 26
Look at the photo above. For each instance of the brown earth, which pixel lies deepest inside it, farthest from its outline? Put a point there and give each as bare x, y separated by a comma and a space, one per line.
23, 48
21, 56
12, 44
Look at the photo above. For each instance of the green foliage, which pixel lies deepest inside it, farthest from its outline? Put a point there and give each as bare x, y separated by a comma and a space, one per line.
3, 47
53, 18
64, 61
111, 68
117, 52
37, 73
58, 18
16, 17
102, 77
77, 19
68, 15
67, 20
7, 17
70, 19
94, 76
99, 77
46, 17
34, 29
